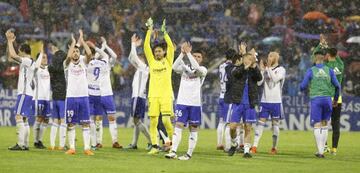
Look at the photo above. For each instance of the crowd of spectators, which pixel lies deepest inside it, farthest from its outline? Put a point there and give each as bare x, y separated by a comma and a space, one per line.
211, 25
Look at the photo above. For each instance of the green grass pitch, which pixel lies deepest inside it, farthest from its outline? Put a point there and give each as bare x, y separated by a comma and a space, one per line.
296, 150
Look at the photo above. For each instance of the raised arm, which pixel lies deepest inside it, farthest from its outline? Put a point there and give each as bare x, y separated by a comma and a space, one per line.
12, 55
194, 64
133, 57
170, 46
179, 64
147, 47
70, 51
38, 60
86, 47
276, 77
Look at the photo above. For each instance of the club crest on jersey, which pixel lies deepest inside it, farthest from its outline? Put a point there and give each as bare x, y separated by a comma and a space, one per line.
321, 74
337, 71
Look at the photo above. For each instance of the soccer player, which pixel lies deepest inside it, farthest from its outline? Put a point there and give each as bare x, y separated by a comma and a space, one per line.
93, 76
224, 107
138, 97
41, 100
336, 64
188, 103
106, 93
271, 103
77, 94
58, 87
160, 97
244, 89
322, 81
25, 89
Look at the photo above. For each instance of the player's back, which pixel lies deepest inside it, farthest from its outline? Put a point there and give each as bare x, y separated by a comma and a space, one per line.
42, 79
77, 82
190, 88
272, 92
105, 81
223, 79
94, 76
139, 82
26, 74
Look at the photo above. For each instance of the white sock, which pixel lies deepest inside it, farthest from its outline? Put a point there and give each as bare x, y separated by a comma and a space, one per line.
276, 134
220, 133
135, 135
319, 140
145, 131
62, 134
242, 134
99, 131
324, 132
92, 133
36, 130
27, 134
42, 130
162, 134
113, 131
192, 142
20, 132
53, 133
86, 138
258, 132
247, 147
176, 139
227, 138
71, 136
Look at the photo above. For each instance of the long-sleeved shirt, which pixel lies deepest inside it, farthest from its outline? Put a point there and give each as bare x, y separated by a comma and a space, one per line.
160, 85
192, 78
141, 75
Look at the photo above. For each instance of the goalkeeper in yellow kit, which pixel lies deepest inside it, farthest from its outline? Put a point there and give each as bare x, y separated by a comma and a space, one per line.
160, 97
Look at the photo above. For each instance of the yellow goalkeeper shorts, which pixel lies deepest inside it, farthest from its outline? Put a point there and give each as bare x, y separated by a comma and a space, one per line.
160, 105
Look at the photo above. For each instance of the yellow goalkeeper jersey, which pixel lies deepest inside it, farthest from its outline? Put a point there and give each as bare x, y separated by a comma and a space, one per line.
160, 85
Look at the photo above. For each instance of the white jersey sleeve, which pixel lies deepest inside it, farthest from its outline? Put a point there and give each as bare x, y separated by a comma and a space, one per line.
223, 79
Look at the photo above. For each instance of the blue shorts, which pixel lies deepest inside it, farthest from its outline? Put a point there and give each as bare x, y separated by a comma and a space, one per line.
223, 109
138, 105
23, 105
108, 104
58, 109
42, 108
242, 112
320, 109
188, 114
77, 110
95, 105
273, 110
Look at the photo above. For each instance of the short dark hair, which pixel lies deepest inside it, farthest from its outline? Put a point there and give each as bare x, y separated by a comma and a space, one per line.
236, 57
199, 51
230, 53
320, 52
25, 48
161, 45
332, 51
